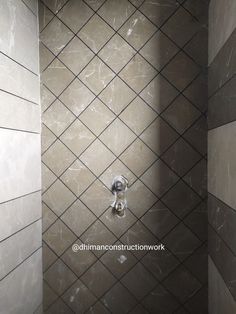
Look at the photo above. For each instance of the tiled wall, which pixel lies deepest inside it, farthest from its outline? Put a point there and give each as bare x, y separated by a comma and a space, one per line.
20, 184
124, 91
222, 157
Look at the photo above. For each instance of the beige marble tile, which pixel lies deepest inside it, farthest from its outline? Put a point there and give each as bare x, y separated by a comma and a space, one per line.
95, 4
98, 112
96, 75
46, 97
44, 15
47, 138
45, 58
54, 5
75, 14
117, 95
47, 177
116, 53
117, 137
48, 217
137, 30
138, 73
96, 33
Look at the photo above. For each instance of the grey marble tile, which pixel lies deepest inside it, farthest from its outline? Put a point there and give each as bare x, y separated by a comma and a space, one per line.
220, 299
221, 109
18, 247
18, 213
221, 24
27, 288
20, 164
222, 218
223, 258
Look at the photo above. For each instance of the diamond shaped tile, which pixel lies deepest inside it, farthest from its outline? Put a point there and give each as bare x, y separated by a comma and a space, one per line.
116, 13
199, 302
181, 63
197, 92
51, 160
138, 115
98, 112
118, 299
47, 138
138, 157
49, 296
97, 308
181, 241
160, 264
138, 73
139, 281
48, 177
59, 307
78, 177
98, 198
58, 237
160, 301
181, 157
96, 75
95, 4
78, 261
75, 14
159, 93
95, 33
54, 5
48, 217
49, 257
140, 198
181, 114
118, 262
197, 178
57, 118
139, 309
98, 234
44, 15
97, 151
56, 35
114, 170
77, 137
137, 30
198, 10
95, 275
118, 224
78, 297
76, 55
159, 11
181, 199
159, 136
197, 135
159, 219
188, 283
46, 97
159, 178
181, 27
159, 50
138, 234
116, 53
46, 57
117, 137
117, 95
58, 197
57, 77
59, 277
70, 218
77, 97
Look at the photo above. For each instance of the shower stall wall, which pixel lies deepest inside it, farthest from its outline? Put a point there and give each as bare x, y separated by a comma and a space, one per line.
124, 92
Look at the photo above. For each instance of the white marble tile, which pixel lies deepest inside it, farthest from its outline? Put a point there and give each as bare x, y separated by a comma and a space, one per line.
18, 247
222, 22
21, 290
19, 164
17, 80
19, 114
19, 32
18, 213
221, 163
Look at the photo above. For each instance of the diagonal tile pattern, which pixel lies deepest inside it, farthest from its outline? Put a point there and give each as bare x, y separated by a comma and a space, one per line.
123, 92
